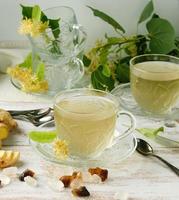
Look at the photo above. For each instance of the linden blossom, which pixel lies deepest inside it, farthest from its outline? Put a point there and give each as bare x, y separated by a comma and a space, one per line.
60, 148
32, 28
29, 81
108, 60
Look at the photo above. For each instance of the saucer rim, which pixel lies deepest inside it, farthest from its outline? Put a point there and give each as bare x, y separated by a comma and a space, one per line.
83, 163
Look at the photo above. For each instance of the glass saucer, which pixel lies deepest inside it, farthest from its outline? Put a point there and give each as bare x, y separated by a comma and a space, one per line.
18, 86
82, 83
111, 156
127, 102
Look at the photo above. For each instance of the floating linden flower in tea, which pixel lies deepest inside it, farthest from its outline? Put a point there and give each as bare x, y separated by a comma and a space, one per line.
60, 149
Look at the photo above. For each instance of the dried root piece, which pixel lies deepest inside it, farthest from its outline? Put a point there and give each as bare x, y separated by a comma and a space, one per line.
7, 119
8, 158
80, 192
26, 173
7, 123
102, 173
68, 180
4, 132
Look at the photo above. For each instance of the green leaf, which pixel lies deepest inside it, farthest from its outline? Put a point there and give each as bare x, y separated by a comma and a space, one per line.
40, 73
106, 70
55, 47
103, 54
54, 25
122, 70
107, 19
42, 136
175, 51
155, 15
86, 61
31, 12
150, 132
27, 62
162, 36
100, 81
26, 11
36, 13
115, 40
141, 44
147, 12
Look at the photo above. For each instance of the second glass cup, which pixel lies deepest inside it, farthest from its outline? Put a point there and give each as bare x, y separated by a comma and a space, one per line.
155, 82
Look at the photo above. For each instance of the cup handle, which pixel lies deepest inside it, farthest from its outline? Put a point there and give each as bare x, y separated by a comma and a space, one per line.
78, 65
131, 128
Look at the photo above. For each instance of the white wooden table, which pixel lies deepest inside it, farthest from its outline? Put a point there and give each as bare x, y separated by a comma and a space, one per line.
141, 177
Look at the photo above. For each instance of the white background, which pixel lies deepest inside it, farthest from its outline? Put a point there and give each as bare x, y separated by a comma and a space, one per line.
125, 11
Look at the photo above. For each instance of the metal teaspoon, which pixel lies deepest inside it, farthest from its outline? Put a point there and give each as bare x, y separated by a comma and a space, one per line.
145, 149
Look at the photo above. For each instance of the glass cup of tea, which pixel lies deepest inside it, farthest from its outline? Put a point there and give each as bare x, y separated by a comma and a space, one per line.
154, 80
86, 120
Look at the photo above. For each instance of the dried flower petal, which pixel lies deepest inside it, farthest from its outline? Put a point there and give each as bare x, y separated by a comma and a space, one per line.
80, 192
25, 173
102, 173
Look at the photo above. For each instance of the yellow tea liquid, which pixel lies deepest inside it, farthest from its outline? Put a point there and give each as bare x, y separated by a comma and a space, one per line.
155, 85
87, 124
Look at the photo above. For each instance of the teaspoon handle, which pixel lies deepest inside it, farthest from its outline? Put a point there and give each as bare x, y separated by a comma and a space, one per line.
173, 168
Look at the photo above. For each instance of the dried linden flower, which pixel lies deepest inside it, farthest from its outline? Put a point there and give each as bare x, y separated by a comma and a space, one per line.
60, 148
33, 28
94, 57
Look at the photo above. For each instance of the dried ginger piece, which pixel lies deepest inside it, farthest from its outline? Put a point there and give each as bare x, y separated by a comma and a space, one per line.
7, 123
102, 173
7, 119
4, 132
8, 158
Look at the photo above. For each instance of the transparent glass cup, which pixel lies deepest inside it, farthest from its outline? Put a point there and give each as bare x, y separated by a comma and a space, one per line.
86, 119
66, 13
154, 80
62, 56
